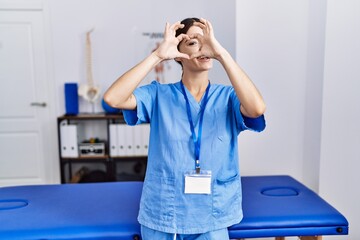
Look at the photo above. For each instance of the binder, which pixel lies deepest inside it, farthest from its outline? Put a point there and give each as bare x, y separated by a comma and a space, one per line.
113, 140
71, 98
129, 140
69, 141
121, 141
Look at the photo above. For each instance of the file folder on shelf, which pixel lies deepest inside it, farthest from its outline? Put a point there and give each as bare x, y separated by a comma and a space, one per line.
69, 141
141, 139
121, 140
128, 141
113, 140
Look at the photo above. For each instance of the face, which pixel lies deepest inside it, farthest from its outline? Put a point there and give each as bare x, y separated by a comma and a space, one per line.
190, 47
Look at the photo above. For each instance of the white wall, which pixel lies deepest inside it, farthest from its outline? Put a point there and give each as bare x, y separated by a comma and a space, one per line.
314, 88
116, 39
304, 56
272, 48
340, 139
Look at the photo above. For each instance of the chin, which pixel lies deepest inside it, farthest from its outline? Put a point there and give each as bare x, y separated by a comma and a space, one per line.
206, 64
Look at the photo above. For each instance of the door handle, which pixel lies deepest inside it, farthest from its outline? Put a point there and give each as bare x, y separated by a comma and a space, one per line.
38, 104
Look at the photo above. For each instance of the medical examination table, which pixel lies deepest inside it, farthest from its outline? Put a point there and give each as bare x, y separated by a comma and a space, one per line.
274, 206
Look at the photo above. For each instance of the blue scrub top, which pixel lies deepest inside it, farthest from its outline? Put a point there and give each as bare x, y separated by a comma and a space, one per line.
164, 206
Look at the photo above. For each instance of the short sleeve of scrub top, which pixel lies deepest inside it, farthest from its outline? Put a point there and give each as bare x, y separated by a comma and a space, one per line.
145, 96
164, 206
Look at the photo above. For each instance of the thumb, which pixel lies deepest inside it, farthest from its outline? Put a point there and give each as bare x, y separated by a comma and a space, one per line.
183, 55
195, 55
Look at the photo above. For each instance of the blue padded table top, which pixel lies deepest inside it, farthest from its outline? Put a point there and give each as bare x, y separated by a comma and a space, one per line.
70, 211
281, 206
273, 206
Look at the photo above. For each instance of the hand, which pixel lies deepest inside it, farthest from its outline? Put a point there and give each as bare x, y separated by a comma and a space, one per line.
168, 47
210, 47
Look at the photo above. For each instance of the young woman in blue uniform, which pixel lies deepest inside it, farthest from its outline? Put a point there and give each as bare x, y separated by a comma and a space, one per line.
192, 188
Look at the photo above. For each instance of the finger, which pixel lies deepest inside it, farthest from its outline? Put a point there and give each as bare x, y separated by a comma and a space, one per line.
195, 55
176, 26
182, 37
208, 24
197, 36
183, 55
203, 20
208, 28
166, 28
200, 25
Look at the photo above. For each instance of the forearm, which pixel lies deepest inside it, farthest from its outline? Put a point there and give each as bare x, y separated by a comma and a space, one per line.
252, 103
120, 93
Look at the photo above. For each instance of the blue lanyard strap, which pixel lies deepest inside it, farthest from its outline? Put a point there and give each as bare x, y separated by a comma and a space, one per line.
197, 141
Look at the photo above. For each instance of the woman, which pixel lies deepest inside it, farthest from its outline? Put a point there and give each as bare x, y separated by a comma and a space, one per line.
192, 188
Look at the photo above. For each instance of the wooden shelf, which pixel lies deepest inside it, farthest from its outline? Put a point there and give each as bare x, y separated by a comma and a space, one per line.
88, 116
82, 158
111, 162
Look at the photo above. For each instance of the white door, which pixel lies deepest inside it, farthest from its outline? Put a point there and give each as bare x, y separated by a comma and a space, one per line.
26, 147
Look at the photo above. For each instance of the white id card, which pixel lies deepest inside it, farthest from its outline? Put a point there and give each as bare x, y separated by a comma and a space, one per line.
198, 183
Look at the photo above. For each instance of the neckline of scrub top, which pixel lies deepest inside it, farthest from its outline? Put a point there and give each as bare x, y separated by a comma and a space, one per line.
196, 105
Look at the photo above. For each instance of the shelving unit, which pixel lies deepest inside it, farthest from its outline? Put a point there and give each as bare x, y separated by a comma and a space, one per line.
107, 168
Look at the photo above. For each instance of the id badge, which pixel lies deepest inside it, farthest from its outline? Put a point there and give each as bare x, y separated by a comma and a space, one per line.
198, 183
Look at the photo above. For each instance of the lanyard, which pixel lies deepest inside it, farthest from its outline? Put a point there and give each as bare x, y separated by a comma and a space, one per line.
197, 141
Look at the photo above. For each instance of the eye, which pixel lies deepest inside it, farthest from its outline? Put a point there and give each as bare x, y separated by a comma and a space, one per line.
191, 43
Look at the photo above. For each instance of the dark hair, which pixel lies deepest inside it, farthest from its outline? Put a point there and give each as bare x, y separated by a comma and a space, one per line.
188, 23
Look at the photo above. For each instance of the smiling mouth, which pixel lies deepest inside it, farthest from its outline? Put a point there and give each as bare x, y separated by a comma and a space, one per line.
203, 58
